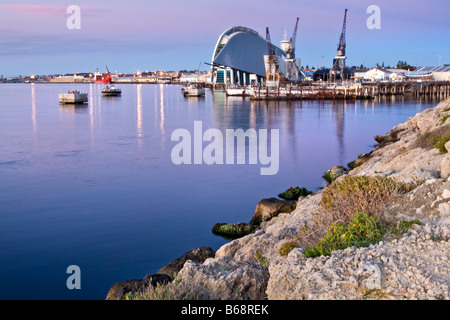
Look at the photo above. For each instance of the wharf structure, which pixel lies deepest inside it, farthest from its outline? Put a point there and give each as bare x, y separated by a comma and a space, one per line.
364, 90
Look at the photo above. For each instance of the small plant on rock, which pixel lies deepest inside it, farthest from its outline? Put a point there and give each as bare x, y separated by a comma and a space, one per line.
361, 231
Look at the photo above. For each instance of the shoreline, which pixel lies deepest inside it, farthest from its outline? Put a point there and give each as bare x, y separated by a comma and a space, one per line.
395, 157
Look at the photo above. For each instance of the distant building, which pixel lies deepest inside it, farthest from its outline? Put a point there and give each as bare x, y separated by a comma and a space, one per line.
433, 73
68, 78
378, 74
195, 77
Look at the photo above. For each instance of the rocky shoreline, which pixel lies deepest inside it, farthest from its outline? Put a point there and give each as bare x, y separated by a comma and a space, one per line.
413, 265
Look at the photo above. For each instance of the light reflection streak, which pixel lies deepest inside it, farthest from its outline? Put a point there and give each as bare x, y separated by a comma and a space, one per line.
139, 114
33, 109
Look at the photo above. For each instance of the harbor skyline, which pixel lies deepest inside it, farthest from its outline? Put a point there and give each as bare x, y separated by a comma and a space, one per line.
153, 35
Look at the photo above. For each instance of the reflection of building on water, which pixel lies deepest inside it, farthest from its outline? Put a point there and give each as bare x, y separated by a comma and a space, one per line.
235, 112
339, 109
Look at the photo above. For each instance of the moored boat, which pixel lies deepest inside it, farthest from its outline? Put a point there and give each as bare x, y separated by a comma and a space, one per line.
193, 90
111, 91
102, 77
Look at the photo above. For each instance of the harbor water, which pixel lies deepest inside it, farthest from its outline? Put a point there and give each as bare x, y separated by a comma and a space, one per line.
94, 185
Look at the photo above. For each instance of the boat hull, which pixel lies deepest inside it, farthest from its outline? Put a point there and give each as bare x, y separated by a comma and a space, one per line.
194, 92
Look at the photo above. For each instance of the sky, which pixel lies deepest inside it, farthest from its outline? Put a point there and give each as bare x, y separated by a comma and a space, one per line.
146, 35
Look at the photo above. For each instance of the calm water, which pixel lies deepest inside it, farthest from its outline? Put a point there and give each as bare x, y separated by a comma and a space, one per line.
95, 186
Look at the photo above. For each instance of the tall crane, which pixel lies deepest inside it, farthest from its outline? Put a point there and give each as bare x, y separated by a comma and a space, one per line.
290, 54
272, 59
339, 60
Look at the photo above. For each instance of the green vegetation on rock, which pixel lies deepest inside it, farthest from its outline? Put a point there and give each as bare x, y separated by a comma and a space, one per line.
232, 231
294, 193
287, 247
361, 231
434, 139
334, 173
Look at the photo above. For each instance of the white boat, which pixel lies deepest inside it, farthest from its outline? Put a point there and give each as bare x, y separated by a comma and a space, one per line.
238, 91
193, 90
73, 97
111, 91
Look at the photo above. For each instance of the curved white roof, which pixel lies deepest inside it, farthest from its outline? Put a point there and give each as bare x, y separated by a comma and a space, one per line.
243, 49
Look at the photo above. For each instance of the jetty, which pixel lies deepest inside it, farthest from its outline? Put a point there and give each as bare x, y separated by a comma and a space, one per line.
362, 90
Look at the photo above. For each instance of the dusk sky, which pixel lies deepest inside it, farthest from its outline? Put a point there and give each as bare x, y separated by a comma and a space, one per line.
138, 35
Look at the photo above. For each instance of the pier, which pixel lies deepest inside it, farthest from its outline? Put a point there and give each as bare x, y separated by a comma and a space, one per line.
364, 90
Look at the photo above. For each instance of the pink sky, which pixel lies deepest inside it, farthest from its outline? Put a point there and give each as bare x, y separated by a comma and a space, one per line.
178, 34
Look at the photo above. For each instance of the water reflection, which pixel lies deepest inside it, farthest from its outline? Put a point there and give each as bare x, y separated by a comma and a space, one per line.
33, 108
73, 108
161, 93
139, 114
235, 112
339, 110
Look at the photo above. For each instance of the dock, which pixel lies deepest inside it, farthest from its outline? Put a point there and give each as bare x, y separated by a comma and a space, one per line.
364, 90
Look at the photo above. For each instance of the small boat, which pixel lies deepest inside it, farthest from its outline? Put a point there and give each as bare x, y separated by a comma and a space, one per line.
111, 91
73, 97
238, 91
193, 90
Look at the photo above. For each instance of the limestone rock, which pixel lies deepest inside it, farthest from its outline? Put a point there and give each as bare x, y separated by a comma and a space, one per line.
391, 268
271, 207
379, 138
444, 167
120, 289
197, 255
224, 279
334, 173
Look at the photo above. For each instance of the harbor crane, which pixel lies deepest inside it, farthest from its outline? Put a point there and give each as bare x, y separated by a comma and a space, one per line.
292, 69
290, 53
271, 58
272, 74
339, 60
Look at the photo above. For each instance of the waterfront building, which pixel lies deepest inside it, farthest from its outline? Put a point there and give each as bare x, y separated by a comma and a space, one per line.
240, 57
379, 74
441, 73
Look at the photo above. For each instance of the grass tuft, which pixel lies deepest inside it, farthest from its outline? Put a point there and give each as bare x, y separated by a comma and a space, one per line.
434, 139
232, 231
344, 198
287, 247
361, 231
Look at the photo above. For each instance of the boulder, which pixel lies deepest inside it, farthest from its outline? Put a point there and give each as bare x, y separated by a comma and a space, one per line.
164, 275
119, 290
444, 167
197, 255
293, 193
266, 209
224, 279
334, 173
379, 138
232, 231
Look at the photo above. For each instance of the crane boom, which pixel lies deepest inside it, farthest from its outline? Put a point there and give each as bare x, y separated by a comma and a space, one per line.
339, 62
342, 42
294, 35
